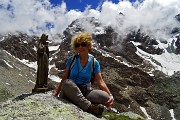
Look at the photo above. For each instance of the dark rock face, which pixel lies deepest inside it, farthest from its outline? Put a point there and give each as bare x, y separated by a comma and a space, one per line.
147, 43
130, 84
177, 43
178, 17
106, 39
165, 94
21, 46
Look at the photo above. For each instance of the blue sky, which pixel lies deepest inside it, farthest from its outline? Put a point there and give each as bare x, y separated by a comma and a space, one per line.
82, 4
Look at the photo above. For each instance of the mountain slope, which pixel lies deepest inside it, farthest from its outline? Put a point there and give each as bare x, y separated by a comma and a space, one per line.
16, 78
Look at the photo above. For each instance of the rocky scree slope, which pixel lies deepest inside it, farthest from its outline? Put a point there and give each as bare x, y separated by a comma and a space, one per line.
15, 77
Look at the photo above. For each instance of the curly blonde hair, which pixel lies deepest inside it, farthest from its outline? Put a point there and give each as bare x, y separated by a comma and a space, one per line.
82, 37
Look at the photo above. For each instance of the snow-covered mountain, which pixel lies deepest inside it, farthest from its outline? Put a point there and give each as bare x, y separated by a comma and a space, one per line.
141, 71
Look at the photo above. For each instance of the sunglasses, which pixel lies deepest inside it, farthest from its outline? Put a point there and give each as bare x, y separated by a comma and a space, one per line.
83, 44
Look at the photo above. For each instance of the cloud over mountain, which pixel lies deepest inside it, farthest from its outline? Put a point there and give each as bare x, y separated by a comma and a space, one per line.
155, 17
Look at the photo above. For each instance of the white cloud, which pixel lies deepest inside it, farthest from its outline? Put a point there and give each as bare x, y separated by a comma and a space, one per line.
33, 16
156, 16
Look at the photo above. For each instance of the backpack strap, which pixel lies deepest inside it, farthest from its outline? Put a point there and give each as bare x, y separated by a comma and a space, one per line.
93, 65
92, 69
71, 64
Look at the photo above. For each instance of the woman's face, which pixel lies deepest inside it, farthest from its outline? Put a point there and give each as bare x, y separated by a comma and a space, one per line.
82, 47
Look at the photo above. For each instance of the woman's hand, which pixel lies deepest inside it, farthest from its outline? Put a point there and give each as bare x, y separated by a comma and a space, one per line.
55, 93
110, 101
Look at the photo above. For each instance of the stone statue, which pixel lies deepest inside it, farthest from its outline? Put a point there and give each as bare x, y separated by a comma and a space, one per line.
43, 63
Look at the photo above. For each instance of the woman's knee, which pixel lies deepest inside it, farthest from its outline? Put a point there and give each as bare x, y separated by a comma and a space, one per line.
67, 83
98, 96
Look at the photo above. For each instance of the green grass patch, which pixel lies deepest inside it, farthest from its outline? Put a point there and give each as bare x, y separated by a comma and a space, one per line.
115, 116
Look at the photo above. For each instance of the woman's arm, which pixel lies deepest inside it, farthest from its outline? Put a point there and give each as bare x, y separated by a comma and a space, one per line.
58, 89
102, 85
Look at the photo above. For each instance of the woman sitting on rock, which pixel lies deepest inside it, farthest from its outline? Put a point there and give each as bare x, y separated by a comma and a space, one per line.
76, 85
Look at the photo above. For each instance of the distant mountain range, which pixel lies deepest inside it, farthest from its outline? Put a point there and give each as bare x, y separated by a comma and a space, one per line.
142, 72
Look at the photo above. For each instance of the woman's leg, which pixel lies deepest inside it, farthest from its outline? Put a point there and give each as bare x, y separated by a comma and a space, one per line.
97, 96
71, 91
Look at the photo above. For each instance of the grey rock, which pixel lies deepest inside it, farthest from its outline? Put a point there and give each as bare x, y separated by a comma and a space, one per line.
43, 106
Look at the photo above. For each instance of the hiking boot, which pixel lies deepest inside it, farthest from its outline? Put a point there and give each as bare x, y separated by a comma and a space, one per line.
96, 109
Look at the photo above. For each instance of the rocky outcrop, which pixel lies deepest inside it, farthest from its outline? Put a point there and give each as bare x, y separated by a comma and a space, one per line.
42, 107
45, 106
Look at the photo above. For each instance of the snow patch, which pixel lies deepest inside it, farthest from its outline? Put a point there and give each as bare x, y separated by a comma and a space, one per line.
29, 64
144, 111
52, 48
172, 114
8, 64
168, 63
7, 84
54, 78
20, 75
30, 81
